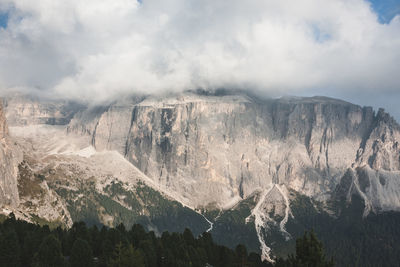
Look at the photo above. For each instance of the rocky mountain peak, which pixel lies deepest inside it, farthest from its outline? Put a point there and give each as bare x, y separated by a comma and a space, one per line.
383, 117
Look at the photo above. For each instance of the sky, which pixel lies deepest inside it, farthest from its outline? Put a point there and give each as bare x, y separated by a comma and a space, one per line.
97, 50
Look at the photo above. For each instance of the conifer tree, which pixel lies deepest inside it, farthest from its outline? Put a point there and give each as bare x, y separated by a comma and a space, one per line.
9, 249
126, 256
241, 255
49, 254
31, 243
310, 252
81, 254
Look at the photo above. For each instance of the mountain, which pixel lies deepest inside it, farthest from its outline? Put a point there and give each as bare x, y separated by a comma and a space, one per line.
215, 149
62, 178
244, 167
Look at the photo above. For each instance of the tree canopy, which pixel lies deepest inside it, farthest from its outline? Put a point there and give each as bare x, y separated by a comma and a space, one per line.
27, 244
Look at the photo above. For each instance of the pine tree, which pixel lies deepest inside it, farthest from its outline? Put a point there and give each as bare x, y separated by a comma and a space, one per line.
126, 257
81, 254
149, 250
9, 249
310, 252
241, 255
49, 254
188, 237
31, 243
137, 234
95, 240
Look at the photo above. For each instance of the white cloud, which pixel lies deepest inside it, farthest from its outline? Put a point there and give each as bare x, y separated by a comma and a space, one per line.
97, 49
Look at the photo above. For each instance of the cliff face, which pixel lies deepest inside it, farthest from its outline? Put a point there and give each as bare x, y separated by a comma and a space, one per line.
215, 150
3, 124
375, 175
23, 110
8, 166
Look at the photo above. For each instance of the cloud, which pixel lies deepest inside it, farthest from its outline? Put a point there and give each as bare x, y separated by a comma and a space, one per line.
99, 49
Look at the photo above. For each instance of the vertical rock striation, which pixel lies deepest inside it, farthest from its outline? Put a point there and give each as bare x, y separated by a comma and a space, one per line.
214, 149
8, 166
218, 148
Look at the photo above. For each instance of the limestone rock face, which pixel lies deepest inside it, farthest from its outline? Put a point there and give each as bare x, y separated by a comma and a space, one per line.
30, 110
381, 151
218, 148
3, 124
215, 149
8, 166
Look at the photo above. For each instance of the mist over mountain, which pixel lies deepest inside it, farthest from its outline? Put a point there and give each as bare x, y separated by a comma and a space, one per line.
97, 51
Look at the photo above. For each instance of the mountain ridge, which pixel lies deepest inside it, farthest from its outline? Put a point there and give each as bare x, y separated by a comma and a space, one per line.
214, 149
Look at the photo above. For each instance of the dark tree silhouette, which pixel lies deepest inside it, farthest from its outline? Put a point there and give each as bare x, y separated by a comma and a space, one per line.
309, 253
81, 254
49, 253
126, 256
9, 249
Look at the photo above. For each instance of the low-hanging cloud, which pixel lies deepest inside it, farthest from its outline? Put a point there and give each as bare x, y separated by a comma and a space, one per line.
98, 49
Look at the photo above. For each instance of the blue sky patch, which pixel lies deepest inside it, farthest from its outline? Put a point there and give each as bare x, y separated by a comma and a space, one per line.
319, 35
386, 9
3, 20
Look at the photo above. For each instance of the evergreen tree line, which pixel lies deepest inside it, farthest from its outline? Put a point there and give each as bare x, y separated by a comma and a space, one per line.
351, 239
27, 244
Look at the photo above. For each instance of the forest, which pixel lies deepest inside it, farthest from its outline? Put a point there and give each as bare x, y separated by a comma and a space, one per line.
27, 244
